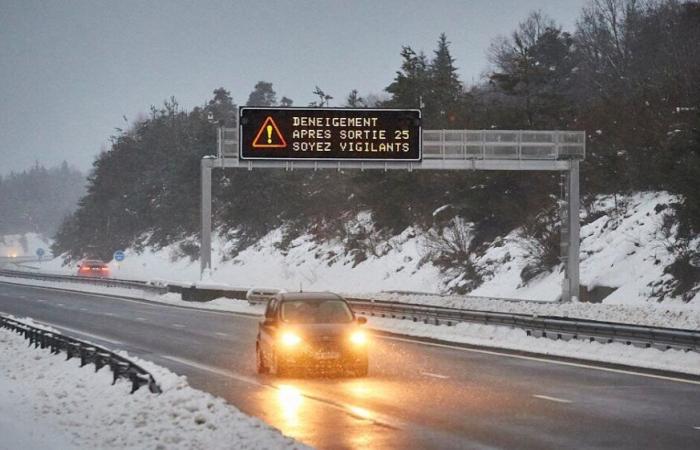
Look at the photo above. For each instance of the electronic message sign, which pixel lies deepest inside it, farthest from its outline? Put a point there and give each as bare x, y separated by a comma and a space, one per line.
330, 134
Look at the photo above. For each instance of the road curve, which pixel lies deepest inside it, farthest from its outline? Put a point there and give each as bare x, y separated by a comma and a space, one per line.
417, 395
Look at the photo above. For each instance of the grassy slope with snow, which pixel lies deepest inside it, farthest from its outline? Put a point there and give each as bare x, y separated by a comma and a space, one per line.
623, 248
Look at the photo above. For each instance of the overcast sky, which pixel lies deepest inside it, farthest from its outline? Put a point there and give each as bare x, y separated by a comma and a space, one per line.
70, 70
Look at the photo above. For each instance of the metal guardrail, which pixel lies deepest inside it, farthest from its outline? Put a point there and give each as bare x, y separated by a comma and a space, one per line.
504, 144
96, 281
475, 144
539, 326
88, 353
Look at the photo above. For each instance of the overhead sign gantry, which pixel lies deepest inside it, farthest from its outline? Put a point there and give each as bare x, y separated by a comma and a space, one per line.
382, 139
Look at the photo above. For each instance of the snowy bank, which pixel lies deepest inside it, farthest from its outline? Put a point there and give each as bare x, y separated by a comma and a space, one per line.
623, 248
516, 339
665, 315
47, 402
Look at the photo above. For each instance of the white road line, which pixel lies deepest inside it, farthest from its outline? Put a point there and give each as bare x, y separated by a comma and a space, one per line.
83, 309
543, 360
179, 325
352, 410
222, 334
60, 304
696, 428
83, 333
435, 375
141, 319
212, 369
552, 399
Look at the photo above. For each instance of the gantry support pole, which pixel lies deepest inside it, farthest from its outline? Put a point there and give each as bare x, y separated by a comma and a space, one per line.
205, 235
571, 229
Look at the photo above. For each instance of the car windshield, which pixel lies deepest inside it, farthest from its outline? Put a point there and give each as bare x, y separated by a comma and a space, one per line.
316, 311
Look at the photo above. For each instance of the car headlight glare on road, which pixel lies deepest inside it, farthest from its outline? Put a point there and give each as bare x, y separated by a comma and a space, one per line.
290, 339
358, 338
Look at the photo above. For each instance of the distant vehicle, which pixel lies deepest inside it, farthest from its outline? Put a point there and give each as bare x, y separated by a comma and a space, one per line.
93, 268
311, 331
262, 295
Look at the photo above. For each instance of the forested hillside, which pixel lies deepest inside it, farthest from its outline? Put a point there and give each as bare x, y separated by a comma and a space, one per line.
627, 74
39, 199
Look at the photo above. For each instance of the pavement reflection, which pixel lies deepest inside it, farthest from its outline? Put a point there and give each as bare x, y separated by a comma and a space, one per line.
302, 409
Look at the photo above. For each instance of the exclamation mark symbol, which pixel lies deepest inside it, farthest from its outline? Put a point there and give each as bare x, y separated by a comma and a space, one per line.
269, 134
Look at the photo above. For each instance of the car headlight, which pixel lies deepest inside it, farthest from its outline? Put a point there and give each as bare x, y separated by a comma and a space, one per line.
358, 338
290, 339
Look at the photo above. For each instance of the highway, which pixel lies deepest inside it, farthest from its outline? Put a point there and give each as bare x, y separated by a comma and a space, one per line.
418, 395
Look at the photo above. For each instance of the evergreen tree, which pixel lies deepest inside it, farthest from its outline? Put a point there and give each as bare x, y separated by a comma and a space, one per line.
410, 85
534, 67
262, 95
354, 100
323, 98
445, 88
222, 108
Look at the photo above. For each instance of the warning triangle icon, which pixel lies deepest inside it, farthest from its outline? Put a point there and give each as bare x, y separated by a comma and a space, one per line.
269, 136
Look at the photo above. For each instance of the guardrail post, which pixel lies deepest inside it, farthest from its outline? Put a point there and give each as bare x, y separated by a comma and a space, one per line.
205, 236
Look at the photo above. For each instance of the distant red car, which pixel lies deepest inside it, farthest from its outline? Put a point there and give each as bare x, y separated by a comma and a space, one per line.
93, 268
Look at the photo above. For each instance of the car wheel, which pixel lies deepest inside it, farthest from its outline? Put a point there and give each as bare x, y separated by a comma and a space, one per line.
259, 362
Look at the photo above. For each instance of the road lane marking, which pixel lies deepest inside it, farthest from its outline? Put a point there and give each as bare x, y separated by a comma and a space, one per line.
222, 334
552, 399
696, 428
435, 375
141, 319
352, 410
179, 325
212, 369
60, 304
543, 360
83, 333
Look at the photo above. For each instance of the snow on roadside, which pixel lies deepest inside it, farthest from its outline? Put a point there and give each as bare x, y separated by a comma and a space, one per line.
23, 244
81, 287
656, 315
505, 337
516, 339
623, 247
62, 405
666, 315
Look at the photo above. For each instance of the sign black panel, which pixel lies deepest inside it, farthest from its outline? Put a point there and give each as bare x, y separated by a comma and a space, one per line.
330, 134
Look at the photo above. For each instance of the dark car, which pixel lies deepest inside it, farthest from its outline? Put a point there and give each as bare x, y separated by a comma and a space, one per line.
311, 331
93, 268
